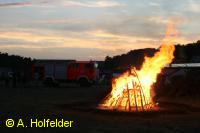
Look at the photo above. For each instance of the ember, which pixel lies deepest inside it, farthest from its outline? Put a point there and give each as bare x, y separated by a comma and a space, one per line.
132, 90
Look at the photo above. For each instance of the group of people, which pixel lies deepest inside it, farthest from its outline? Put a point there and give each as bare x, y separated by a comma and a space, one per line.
11, 79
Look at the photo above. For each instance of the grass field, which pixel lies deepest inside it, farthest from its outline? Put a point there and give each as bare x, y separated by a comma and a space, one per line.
71, 102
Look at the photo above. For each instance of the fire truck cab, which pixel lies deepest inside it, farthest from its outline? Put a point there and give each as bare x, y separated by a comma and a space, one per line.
84, 73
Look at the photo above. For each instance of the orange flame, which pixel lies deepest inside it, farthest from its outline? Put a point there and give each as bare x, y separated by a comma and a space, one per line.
132, 90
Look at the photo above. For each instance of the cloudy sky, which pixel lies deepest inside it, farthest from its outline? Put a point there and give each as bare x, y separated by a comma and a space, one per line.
92, 29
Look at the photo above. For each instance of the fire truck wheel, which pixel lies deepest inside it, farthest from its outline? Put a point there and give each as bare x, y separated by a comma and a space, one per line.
83, 82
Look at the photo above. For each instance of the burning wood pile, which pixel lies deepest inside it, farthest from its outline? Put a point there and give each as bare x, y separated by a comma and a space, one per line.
132, 90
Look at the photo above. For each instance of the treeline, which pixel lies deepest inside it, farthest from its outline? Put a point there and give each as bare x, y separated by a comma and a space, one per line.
14, 62
189, 53
134, 57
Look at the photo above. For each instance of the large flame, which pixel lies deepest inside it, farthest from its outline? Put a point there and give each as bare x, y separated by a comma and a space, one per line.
132, 90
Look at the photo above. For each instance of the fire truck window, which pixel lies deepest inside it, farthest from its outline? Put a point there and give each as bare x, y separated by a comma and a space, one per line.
76, 65
89, 66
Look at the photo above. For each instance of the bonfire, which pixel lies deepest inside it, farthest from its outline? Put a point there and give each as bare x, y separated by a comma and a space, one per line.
132, 91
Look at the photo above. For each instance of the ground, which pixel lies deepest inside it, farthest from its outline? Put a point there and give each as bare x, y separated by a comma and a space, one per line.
71, 102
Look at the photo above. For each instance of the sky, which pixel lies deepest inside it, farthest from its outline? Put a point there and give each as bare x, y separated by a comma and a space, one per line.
92, 29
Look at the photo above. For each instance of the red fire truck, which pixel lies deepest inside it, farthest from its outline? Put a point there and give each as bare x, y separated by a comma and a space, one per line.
84, 73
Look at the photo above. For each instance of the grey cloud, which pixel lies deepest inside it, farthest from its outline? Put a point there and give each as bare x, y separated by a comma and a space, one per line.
22, 3
126, 25
11, 42
135, 26
15, 4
